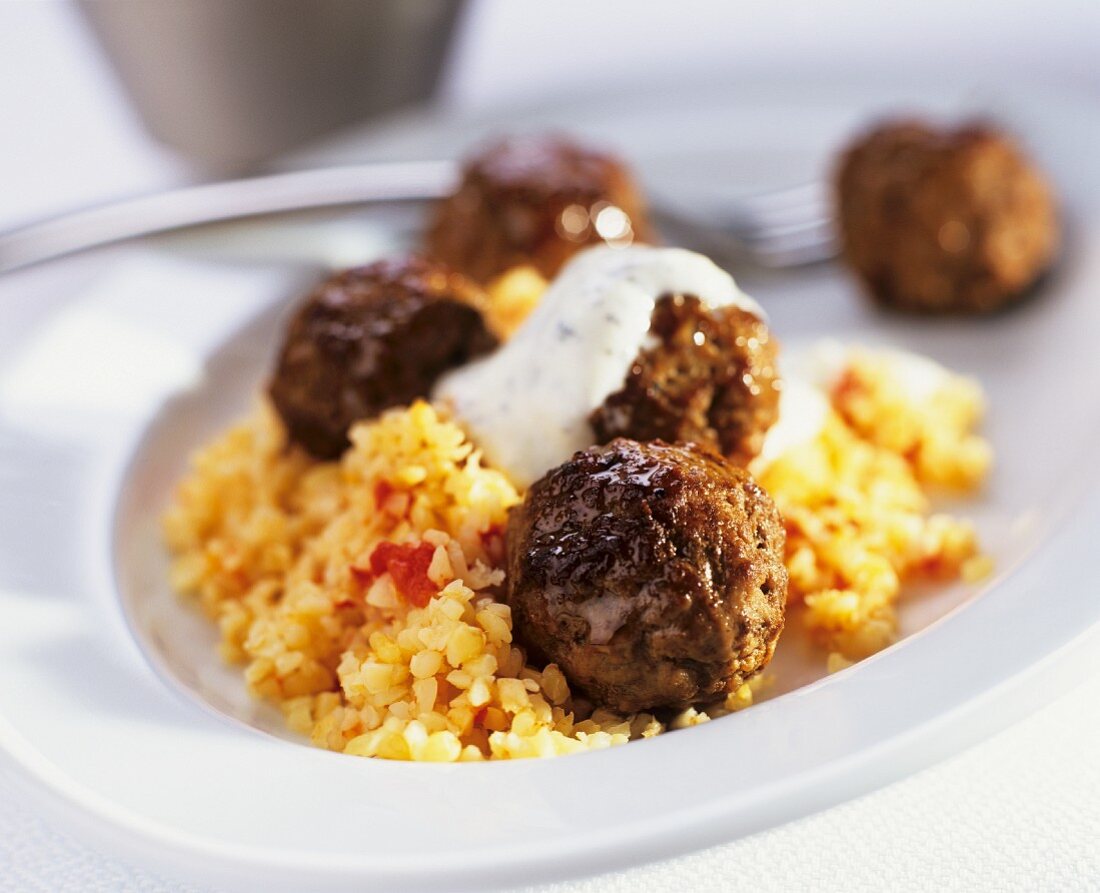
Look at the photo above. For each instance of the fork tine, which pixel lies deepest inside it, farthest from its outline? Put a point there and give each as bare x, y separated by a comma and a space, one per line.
812, 205
806, 243
795, 196
775, 231
811, 246
785, 228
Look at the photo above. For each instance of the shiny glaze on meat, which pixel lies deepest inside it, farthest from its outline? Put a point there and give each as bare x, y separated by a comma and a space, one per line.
651, 574
708, 376
535, 200
370, 338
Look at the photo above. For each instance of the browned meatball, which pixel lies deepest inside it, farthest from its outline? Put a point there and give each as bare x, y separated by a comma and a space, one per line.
651, 574
535, 201
943, 221
371, 338
710, 378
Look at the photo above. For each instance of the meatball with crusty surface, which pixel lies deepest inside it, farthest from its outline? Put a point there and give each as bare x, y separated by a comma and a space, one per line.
651, 574
535, 201
709, 377
370, 338
944, 221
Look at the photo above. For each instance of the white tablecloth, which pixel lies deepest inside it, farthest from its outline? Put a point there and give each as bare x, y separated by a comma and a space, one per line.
1020, 811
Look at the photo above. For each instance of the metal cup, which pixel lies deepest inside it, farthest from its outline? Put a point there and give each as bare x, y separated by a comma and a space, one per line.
230, 83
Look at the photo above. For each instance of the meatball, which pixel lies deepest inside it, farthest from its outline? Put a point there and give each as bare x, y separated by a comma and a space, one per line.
535, 201
651, 574
710, 378
941, 221
370, 338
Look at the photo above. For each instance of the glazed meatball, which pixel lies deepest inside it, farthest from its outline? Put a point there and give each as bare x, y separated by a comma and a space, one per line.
535, 201
939, 221
651, 574
710, 378
370, 338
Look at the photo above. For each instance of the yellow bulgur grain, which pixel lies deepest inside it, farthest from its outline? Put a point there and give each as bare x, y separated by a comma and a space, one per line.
479, 693
554, 684
978, 568
425, 663
512, 296
464, 644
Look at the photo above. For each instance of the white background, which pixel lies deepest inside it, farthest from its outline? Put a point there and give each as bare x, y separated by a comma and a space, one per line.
1021, 811
69, 137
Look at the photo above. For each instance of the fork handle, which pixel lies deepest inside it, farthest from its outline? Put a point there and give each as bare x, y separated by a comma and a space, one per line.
417, 181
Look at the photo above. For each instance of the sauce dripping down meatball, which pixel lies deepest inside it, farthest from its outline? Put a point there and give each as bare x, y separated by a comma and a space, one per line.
530, 405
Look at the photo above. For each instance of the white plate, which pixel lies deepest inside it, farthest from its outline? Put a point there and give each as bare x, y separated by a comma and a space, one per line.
115, 365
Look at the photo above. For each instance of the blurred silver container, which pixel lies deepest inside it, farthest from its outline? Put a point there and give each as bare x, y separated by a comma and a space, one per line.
230, 83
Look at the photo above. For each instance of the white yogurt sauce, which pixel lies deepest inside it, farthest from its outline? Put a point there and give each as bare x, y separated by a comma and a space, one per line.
824, 362
803, 409
920, 376
527, 405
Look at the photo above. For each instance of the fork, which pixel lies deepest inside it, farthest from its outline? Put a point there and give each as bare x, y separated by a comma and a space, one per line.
777, 230
785, 228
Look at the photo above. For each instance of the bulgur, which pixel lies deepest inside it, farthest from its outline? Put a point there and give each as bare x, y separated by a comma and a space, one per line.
361, 595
